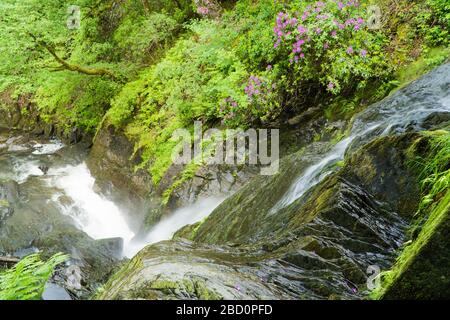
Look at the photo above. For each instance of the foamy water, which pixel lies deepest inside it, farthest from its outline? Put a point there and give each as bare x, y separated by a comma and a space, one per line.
101, 218
47, 148
166, 228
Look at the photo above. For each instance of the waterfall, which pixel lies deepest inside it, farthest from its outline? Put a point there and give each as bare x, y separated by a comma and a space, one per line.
166, 228
101, 218
393, 114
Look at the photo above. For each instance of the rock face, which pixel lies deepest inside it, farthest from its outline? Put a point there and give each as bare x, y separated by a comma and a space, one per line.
113, 160
318, 248
22, 114
30, 221
32, 224
263, 243
9, 192
423, 268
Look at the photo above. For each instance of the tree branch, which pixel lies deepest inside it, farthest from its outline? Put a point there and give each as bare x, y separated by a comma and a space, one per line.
72, 67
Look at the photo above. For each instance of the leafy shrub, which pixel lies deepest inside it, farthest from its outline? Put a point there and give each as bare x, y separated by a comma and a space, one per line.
433, 22
138, 38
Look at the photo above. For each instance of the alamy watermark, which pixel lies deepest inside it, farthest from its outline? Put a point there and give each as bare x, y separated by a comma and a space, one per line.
373, 279
230, 146
73, 277
73, 17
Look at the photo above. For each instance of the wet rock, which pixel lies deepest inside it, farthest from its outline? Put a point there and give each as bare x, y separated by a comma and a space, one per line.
422, 270
306, 116
10, 191
54, 292
436, 119
37, 224
5, 211
183, 270
316, 248
9, 194
113, 160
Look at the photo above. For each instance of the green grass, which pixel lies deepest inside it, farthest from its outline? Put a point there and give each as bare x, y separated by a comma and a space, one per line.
430, 58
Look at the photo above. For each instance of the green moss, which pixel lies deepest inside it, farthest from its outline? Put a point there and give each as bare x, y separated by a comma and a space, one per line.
187, 174
127, 269
413, 249
428, 60
429, 156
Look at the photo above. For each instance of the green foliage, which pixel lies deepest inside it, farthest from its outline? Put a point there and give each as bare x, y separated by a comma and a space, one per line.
329, 43
227, 72
430, 58
80, 100
26, 280
138, 38
122, 38
221, 69
434, 22
412, 249
435, 167
434, 176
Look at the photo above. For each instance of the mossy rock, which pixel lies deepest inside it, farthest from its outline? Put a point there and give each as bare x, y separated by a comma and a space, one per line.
318, 247
422, 269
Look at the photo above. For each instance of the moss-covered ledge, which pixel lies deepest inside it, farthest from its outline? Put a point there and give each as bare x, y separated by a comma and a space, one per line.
422, 269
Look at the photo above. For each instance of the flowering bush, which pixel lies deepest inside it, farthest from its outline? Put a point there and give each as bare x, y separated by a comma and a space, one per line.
329, 41
207, 8
259, 93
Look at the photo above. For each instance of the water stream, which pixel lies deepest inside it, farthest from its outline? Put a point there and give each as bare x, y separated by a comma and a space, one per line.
72, 189
62, 180
395, 114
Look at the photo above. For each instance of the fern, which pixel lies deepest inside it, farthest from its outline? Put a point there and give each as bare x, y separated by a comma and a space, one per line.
26, 280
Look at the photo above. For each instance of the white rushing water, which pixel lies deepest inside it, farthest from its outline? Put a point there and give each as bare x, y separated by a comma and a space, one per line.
91, 212
48, 148
393, 114
317, 172
166, 228
101, 218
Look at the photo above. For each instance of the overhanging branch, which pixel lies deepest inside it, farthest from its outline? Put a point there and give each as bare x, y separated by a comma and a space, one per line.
73, 67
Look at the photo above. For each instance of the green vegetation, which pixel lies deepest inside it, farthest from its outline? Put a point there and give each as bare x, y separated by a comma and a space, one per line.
26, 280
434, 173
151, 67
118, 39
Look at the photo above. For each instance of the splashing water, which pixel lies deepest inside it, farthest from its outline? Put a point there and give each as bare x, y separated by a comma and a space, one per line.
166, 228
48, 148
99, 217
392, 115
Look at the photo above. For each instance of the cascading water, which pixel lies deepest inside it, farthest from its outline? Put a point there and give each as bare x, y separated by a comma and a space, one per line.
393, 114
72, 190
101, 218
166, 228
